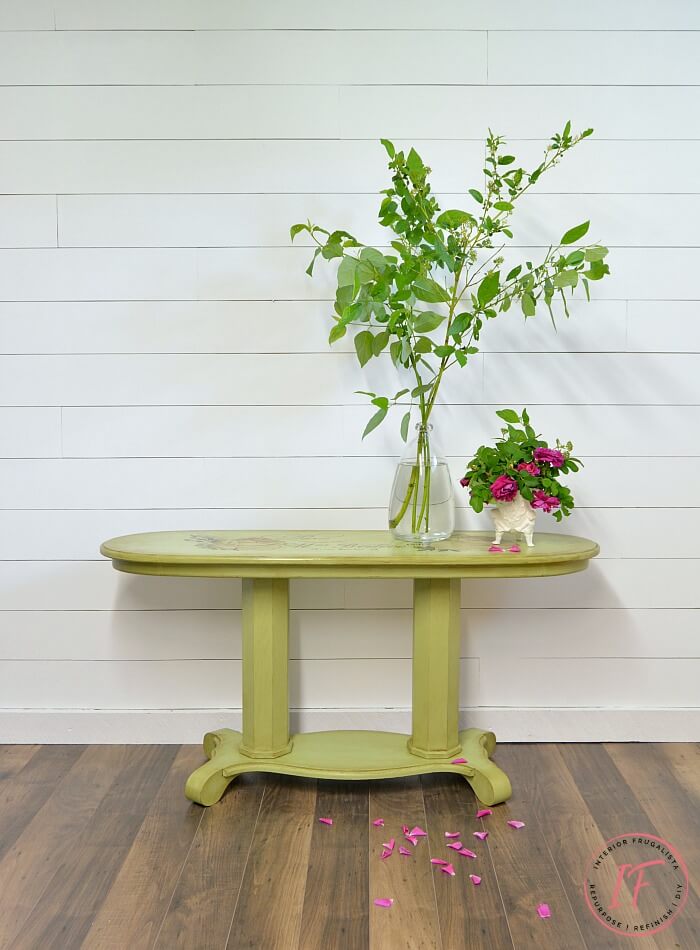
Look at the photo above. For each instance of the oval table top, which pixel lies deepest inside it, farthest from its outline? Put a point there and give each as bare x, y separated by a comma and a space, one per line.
341, 554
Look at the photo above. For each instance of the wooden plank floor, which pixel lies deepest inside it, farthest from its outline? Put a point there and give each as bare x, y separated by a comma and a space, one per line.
100, 849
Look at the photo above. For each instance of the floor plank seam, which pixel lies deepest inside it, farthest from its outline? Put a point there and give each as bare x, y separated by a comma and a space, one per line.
245, 866
437, 907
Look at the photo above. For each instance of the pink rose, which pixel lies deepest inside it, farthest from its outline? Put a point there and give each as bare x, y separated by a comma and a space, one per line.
464, 482
504, 488
543, 501
555, 458
528, 467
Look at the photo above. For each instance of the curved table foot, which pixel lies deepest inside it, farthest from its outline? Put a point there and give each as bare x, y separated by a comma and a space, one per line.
490, 783
207, 784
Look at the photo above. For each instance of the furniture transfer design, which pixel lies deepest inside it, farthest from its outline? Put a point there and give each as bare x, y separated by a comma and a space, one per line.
266, 561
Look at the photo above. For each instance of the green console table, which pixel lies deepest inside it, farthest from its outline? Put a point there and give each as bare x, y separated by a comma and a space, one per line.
266, 561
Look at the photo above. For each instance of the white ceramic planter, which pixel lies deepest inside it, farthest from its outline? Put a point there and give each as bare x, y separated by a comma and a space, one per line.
516, 515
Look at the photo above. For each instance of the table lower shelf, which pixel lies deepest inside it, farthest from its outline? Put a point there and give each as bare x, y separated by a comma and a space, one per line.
348, 754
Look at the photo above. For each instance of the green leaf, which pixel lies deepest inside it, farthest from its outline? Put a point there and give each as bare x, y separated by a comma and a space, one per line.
508, 415
329, 251
426, 321
566, 278
512, 274
503, 206
346, 272
596, 253
528, 305
310, 268
430, 291
395, 351
296, 229
389, 146
379, 342
461, 358
453, 218
336, 333
443, 351
364, 341
476, 195
423, 345
374, 257
415, 166
575, 234
488, 288
405, 422
597, 270
377, 418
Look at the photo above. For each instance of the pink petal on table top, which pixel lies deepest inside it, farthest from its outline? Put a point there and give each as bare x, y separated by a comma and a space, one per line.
438, 861
378, 823
452, 834
384, 902
516, 824
496, 547
411, 838
483, 812
456, 845
326, 821
467, 853
475, 879
389, 844
544, 911
386, 853
448, 869
514, 548
418, 832
459, 762
481, 835
405, 851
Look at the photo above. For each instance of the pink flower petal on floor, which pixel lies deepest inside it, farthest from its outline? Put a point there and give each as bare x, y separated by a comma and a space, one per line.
389, 845
516, 824
475, 879
414, 841
496, 547
452, 834
405, 851
405, 830
418, 832
481, 835
459, 762
467, 853
378, 823
386, 853
438, 861
483, 812
326, 821
456, 845
514, 549
448, 869
544, 911
384, 902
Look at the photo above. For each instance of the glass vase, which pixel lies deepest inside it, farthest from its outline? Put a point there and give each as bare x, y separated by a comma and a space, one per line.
421, 508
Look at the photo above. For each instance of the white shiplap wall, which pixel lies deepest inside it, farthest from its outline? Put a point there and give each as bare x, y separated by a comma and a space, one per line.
163, 358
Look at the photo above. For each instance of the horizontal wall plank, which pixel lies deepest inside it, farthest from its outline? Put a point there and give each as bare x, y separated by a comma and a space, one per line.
644, 57
332, 378
293, 483
229, 56
279, 326
164, 167
187, 684
247, 273
169, 112
349, 112
643, 682
656, 326
263, 220
27, 220
37, 15
344, 634
316, 14
226, 431
29, 432
650, 583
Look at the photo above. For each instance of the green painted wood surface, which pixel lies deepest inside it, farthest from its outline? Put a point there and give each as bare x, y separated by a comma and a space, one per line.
340, 554
266, 561
436, 632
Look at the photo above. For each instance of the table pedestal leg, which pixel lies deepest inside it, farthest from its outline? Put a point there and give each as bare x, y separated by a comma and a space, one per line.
265, 693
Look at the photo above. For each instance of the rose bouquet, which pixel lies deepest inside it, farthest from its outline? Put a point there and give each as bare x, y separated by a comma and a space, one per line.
521, 468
